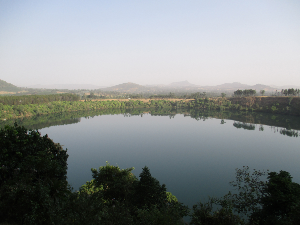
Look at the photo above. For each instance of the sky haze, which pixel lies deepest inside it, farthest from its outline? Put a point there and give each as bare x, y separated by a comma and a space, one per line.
150, 42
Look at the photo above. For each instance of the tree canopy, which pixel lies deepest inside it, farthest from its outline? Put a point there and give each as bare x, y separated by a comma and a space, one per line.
32, 175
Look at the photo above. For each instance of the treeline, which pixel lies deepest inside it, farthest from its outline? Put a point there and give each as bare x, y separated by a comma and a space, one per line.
218, 104
15, 111
170, 95
37, 99
244, 93
290, 92
195, 95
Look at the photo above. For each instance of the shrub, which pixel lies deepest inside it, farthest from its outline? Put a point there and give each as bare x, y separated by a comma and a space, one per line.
32, 176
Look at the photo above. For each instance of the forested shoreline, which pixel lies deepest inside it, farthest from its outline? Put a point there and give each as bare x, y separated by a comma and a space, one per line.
12, 107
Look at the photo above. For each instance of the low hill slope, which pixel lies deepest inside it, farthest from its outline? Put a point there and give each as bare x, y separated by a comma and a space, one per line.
4, 86
128, 88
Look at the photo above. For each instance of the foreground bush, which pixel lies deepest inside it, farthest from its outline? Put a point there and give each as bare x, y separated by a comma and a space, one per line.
118, 197
32, 176
275, 201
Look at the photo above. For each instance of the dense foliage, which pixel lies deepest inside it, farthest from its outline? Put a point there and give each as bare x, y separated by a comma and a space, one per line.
288, 105
15, 111
290, 92
36, 99
246, 92
140, 201
275, 201
32, 176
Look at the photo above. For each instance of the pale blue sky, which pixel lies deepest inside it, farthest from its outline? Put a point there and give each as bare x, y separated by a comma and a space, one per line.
150, 42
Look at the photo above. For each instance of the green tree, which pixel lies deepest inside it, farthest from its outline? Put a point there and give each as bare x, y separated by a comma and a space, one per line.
238, 93
123, 197
250, 190
262, 92
116, 183
148, 191
32, 176
274, 201
280, 201
207, 214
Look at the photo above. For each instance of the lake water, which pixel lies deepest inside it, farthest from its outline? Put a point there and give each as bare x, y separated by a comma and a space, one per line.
195, 156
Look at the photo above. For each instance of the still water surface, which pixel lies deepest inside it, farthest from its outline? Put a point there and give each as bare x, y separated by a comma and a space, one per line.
194, 158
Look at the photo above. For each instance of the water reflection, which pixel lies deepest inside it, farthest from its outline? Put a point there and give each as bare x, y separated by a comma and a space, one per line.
283, 124
290, 133
245, 126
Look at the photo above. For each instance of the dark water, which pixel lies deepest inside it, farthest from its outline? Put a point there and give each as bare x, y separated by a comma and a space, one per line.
194, 154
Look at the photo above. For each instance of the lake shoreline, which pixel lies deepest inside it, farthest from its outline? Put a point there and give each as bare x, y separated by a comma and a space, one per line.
274, 105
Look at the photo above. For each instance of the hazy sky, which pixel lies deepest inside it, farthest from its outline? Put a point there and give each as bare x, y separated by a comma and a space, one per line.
206, 42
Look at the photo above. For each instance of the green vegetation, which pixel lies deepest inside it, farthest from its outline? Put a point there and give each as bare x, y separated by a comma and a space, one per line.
290, 92
262, 92
32, 176
286, 106
275, 201
246, 92
12, 107
36, 99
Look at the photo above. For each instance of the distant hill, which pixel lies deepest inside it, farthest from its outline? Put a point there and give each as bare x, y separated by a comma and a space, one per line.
236, 85
4, 86
259, 87
185, 86
136, 88
128, 88
285, 87
181, 84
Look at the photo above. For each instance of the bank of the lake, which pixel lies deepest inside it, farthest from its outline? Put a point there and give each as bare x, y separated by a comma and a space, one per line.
275, 105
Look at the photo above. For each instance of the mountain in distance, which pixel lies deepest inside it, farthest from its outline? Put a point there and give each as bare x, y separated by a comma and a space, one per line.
175, 86
262, 87
7, 87
236, 85
285, 87
182, 84
128, 88
185, 86
66, 86
136, 88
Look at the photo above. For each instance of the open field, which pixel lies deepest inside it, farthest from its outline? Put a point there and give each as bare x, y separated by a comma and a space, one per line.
7, 93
